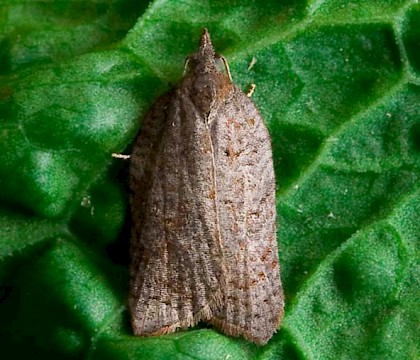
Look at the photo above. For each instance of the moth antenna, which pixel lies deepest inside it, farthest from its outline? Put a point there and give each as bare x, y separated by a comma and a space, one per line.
226, 65
187, 61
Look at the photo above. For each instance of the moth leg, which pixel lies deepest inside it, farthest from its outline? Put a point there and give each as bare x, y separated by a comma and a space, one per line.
120, 156
251, 90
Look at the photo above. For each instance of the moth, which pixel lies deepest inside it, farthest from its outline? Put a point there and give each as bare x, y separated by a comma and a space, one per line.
203, 209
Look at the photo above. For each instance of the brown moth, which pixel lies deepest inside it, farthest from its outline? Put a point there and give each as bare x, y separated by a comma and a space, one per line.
203, 209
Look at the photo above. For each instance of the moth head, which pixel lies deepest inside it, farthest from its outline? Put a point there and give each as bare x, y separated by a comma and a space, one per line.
204, 60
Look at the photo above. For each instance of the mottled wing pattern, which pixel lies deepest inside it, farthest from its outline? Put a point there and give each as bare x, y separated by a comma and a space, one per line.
142, 165
177, 270
253, 304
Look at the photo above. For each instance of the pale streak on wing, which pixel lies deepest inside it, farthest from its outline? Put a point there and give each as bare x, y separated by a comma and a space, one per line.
253, 304
177, 268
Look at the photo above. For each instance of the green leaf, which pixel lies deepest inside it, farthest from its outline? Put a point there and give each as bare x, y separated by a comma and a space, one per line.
338, 85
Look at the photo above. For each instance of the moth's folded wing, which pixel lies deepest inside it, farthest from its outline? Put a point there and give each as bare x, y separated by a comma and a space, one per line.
253, 304
177, 269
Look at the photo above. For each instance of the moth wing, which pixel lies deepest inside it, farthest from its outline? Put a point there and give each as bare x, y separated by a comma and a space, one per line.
177, 269
253, 305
